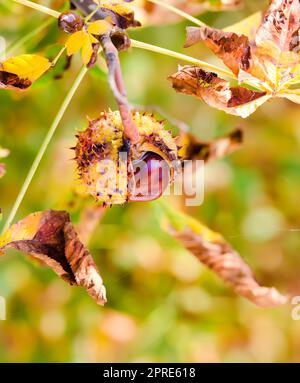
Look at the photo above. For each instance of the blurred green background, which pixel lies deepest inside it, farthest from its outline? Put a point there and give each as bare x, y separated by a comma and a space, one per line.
162, 304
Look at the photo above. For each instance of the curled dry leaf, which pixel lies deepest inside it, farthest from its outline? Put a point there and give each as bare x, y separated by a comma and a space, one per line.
212, 250
50, 237
195, 149
217, 92
3, 153
21, 71
269, 61
153, 14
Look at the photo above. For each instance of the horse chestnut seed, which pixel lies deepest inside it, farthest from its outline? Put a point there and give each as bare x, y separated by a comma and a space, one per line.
150, 179
70, 22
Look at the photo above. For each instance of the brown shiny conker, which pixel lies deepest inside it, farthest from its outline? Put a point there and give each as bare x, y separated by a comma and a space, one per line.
150, 179
70, 22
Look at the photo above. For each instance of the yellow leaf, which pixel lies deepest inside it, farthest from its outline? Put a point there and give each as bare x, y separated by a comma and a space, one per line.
93, 40
87, 50
27, 66
99, 27
75, 42
121, 9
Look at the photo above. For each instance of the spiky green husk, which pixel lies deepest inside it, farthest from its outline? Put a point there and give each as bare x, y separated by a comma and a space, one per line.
98, 149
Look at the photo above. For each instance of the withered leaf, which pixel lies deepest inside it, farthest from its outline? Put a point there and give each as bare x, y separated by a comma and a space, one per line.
232, 48
50, 237
229, 266
217, 92
268, 60
281, 25
195, 149
212, 250
13, 81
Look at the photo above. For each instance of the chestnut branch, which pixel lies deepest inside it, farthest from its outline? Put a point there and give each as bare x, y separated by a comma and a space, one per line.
114, 67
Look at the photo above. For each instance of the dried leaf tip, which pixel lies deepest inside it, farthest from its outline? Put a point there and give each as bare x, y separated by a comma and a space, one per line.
50, 237
212, 250
268, 61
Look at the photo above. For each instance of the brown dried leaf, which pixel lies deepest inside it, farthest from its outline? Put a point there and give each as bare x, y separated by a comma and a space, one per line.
269, 61
12, 81
195, 149
213, 251
217, 92
229, 266
51, 238
281, 25
232, 48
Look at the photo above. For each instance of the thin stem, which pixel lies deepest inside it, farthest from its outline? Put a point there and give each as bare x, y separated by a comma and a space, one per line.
88, 17
38, 7
117, 85
43, 148
178, 12
180, 56
54, 61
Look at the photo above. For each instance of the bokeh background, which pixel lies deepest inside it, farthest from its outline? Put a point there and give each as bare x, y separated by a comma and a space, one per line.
162, 305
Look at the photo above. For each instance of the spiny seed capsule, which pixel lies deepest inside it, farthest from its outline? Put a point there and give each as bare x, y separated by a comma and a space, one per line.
70, 22
113, 171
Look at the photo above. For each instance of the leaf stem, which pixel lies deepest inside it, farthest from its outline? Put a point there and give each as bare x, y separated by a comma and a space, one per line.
88, 17
38, 7
54, 61
43, 148
118, 87
178, 12
180, 56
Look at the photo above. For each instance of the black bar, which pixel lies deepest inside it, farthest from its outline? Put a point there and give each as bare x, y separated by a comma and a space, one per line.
142, 372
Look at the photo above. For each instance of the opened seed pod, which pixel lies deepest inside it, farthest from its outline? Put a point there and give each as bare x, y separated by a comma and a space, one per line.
113, 171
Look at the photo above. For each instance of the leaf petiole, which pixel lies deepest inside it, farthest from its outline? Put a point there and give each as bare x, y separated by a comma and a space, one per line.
38, 7
54, 61
180, 56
